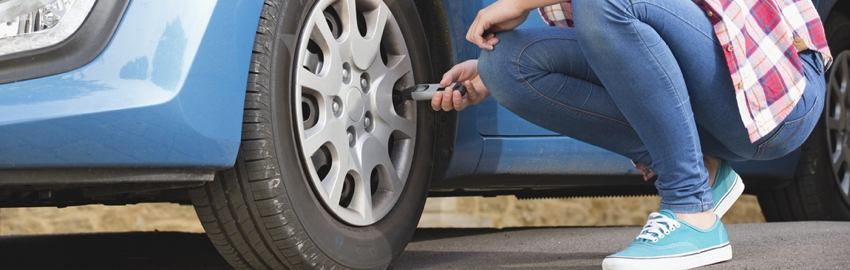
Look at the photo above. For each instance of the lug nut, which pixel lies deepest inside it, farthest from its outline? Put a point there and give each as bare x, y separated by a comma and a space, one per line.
345, 74
335, 106
364, 83
367, 122
350, 137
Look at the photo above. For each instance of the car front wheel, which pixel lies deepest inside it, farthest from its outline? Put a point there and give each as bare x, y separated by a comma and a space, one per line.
334, 167
820, 189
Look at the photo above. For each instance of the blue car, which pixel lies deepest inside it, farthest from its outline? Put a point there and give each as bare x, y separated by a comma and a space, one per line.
283, 123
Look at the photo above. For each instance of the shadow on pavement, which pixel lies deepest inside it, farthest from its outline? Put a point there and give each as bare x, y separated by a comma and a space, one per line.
138, 250
428, 234
496, 260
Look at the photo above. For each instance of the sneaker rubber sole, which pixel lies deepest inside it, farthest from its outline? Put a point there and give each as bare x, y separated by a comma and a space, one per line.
687, 261
724, 203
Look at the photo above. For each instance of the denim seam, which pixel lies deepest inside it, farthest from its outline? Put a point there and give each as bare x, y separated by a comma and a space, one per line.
556, 103
590, 93
561, 87
795, 121
709, 36
694, 139
666, 76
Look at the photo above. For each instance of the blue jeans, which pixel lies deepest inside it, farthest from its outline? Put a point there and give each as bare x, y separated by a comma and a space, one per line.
646, 79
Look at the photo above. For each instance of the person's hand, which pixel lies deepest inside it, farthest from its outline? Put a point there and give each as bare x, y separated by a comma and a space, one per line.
466, 73
500, 16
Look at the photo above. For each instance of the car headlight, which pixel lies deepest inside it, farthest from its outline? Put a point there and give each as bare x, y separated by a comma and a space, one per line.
33, 24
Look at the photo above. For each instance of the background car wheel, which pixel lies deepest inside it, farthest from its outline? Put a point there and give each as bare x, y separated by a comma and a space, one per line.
334, 168
820, 189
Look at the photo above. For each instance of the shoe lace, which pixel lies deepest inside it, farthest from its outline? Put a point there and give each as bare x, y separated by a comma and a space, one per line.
657, 227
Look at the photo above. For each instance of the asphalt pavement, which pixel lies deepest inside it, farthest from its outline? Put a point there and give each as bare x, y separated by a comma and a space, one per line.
793, 245
796, 245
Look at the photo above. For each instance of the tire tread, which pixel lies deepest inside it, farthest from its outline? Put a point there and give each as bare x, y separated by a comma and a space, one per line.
807, 196
226, 227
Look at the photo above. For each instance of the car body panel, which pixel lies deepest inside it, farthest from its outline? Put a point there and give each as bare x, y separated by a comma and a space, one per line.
166, 92
824, 6
169, 93
552, 155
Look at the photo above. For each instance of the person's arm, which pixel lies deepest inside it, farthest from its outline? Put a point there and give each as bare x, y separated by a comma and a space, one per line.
501, 16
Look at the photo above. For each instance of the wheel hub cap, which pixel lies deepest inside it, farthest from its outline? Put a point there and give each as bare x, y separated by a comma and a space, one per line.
355, 104
358, 146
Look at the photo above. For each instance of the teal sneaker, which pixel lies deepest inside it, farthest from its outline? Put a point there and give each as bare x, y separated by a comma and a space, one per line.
668, 243
727, 188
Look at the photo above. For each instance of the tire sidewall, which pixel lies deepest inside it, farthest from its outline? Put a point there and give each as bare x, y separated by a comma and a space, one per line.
833, 204
371, 246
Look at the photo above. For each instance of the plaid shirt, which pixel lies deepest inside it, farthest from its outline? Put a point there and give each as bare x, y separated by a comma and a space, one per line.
761, 39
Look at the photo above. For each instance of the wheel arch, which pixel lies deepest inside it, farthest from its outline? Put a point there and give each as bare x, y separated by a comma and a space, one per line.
825, 7
441, 49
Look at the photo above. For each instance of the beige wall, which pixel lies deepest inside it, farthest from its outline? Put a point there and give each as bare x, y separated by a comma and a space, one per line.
99, 218
498, 212
508, 211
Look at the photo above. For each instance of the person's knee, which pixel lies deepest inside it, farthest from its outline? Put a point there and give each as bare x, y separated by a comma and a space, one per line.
599, 7
594, 15
494, 65
506, 49
491, 67
498, 72
511, 44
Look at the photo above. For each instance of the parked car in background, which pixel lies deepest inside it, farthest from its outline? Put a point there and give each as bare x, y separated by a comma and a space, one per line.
281, 122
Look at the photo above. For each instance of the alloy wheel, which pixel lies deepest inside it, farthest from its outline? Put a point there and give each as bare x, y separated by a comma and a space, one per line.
838, 122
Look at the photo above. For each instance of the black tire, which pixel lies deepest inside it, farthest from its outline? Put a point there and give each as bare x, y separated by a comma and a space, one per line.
263, 213
815, 193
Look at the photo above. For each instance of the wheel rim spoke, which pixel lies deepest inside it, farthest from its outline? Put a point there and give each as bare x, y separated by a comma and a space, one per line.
322, 31
349, 15
383, 104
840, 160
374, 148
312, 81
362, 202
836, 123
393, 122
365, 48
396, 68
334, 183
365, 202
321, 80
324, 133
